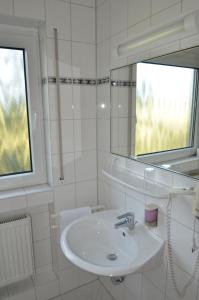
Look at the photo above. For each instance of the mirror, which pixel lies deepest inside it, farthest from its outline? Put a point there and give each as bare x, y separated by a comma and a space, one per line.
154, 111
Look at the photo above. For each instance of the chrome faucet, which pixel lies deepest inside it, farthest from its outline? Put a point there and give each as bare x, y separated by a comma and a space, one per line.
127, 220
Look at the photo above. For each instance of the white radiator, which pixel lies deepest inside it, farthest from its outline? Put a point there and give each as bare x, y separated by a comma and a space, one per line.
16, 250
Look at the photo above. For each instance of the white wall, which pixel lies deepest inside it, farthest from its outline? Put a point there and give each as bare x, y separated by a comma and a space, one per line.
75, 21
117, 20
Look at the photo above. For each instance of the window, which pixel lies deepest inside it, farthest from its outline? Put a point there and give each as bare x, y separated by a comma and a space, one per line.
159, 99
22, 139
15, 150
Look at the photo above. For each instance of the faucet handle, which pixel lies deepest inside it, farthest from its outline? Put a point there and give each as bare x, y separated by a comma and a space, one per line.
126, 215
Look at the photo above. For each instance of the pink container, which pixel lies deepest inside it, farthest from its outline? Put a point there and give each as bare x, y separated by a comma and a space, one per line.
151, 214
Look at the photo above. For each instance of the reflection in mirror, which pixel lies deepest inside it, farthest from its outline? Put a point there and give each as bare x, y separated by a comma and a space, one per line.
154, 111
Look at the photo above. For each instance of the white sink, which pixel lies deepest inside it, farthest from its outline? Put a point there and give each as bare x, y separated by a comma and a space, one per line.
88, 241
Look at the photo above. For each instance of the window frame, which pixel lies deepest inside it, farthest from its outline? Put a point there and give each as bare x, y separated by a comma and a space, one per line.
28, 39
27, 111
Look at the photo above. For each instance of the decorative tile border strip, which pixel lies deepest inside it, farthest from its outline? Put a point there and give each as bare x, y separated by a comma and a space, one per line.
70, 80
76, 81
103, 80
123, 83
89, 81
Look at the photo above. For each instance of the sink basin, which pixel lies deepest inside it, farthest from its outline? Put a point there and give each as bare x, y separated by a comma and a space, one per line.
93, 243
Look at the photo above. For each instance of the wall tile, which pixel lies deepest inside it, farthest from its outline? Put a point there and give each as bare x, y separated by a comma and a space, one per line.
40, 226
58, 16
38, 209
133, 282
85, 165
103, 59
138, 10
13, 203
83, 24
64, 197
118, 15
182, 279
83, 60
182, 241
170, 47
86, 193
158, 5
66, 102
84, 98
67, 136
90, 3
189, 6
85, 134
103, 22
99, 2
69, 279
3, 294
29, 9
182, 210
48, 291
37, 199
158, 276
42, 251
68, 161
103, 101
63, 262
103, 162
6, 7
150, 292
139, 28
22, 291
64, 58
168, 14
104, 191
92, 290
103, 129
117, 291
85, 277
117, 198
44, 275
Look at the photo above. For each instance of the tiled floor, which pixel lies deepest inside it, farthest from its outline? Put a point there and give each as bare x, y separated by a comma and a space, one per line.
92, 291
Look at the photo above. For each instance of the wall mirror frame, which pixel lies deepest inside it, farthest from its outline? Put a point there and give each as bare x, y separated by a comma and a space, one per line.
155, 111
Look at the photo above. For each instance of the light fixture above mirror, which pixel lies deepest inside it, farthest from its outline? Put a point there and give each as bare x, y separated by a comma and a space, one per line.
180, 28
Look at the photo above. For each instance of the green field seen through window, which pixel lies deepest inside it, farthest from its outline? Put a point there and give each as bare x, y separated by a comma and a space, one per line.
14, 131
164, 99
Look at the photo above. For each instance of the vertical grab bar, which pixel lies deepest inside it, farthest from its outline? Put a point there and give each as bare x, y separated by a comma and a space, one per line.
59, 104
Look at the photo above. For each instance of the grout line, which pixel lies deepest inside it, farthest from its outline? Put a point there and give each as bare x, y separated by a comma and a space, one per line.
96, 101
97, 6
84, 5
72, 69
72, 290
13, 8
49, 37
106, 289
163, 9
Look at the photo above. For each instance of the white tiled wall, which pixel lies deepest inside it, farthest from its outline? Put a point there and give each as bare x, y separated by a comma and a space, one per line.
117, 20
75, 21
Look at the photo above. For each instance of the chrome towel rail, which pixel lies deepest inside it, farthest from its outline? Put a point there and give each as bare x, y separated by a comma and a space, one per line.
59, 103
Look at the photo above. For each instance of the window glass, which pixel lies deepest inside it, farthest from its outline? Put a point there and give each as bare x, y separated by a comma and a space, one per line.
163, 108
15, 150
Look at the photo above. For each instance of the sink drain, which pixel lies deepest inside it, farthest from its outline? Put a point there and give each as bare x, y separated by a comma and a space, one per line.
112, 256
